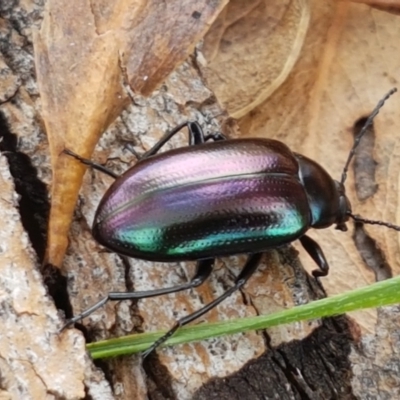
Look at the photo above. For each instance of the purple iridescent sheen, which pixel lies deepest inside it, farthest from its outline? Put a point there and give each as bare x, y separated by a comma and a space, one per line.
220, 198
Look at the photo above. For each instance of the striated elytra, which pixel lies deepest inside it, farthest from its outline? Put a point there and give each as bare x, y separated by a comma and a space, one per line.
218, 197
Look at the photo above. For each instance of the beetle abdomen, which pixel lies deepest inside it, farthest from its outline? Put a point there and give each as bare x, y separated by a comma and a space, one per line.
205, 201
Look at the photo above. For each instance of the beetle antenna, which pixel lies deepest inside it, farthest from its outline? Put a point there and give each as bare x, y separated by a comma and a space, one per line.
362, 132
358, 218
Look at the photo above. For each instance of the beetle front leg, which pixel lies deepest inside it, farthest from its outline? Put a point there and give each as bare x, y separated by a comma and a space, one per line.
316, 253
251, 265
203, 271
91, 164
196, 136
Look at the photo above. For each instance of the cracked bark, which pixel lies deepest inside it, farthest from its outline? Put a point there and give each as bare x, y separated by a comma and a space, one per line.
315, 360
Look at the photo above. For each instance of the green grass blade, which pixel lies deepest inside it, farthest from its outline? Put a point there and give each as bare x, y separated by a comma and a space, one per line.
378, 294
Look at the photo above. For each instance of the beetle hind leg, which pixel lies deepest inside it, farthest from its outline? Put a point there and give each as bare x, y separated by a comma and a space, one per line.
251, 265
203, 271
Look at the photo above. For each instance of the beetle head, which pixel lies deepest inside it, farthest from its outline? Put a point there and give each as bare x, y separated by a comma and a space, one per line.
344, 210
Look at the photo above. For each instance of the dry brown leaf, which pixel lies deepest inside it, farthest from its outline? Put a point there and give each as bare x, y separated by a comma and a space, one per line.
392, 6
251, 49
349, 61
85, 52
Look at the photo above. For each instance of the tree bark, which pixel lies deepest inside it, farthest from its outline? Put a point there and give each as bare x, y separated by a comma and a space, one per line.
311, 360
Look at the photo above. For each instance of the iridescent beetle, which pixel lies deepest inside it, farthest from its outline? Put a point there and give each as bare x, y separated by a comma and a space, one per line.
218, 197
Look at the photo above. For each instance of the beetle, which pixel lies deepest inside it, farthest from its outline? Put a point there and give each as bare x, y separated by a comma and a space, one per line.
218, 197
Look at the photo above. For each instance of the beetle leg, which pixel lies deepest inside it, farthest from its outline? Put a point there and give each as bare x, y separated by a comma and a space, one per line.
92, 164
196, 136
203, 271
215, 136
316, 253
251, 265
